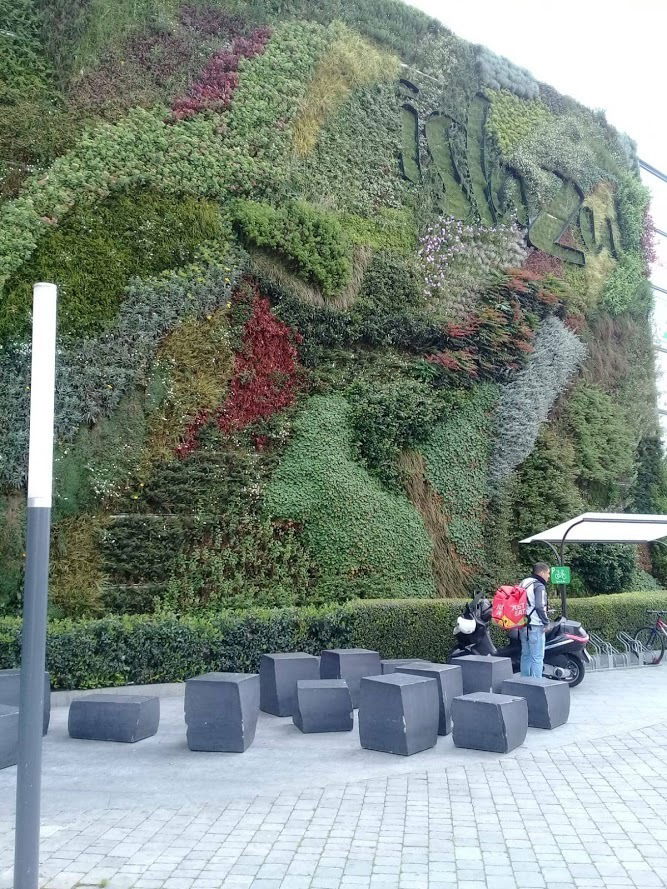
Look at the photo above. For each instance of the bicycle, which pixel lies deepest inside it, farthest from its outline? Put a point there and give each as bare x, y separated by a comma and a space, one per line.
652, 639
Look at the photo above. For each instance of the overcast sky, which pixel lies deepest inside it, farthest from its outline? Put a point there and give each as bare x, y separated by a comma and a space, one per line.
608, 54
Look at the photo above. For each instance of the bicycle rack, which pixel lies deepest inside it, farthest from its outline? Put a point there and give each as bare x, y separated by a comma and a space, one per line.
604, 658
630, 655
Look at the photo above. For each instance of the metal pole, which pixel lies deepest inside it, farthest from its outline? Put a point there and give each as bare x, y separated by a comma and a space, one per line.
35, 597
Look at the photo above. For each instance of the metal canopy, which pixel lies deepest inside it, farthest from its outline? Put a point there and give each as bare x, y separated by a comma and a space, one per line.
600, 527
605, 527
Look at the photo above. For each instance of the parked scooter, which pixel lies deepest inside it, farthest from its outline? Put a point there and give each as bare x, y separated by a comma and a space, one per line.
565, 654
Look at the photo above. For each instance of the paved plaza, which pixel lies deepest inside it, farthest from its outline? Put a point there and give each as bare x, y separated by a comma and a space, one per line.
583, 806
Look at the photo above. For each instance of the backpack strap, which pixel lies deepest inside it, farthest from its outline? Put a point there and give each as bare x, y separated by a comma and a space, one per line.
532, 582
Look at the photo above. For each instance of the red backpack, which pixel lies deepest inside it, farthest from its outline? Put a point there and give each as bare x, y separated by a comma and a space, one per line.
510, 607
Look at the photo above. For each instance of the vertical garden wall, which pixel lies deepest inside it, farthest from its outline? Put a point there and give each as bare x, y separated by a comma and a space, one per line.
348, 305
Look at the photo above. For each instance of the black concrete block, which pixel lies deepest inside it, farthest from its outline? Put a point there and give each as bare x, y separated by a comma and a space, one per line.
10, 691
548, 699
350, 664
110, 717
278, 676
9, 735
221, 711
450, 686
398, 713
323, 705
483, 672
486, 721
390, 665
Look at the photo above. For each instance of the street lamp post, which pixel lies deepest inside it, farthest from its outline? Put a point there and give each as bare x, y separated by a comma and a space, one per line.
33, 645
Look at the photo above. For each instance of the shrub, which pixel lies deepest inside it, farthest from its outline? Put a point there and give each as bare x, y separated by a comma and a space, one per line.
551, 468
140, 649
457, 459
309, 239
511, 119
389, 417
23, 74
365, 540
626, 288
93, 254
603, 442
605, 568
349, 62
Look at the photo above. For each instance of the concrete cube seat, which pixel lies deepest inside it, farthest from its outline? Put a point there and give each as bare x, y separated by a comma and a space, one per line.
110, 717
278, 676
350, 664
391, 665
450, 685
398, 713
483, 672
487, 721
10, 692
9, 735
548, 699
221, 711
323, 705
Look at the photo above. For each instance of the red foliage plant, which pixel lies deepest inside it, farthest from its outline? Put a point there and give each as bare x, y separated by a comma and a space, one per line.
543, 265
266, 379
266, 370
217, 83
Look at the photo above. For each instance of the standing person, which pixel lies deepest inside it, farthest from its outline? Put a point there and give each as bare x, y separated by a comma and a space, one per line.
532, 635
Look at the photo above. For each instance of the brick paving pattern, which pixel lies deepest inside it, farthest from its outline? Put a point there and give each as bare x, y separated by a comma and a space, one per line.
596, 812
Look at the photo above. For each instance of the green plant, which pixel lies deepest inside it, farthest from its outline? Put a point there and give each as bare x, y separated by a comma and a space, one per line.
93, 254
343, 170
389, 417
141, 649
551, 467
511, 118
311, 240
350, 62
632, 200
248, 563
23, 72
605, 568
627, 288
604, 444
12, 556
457, 464
365, 540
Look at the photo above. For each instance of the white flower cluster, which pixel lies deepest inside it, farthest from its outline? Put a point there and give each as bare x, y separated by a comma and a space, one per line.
460, 260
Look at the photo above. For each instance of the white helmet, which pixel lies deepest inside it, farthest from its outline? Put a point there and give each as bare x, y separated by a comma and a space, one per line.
466, 625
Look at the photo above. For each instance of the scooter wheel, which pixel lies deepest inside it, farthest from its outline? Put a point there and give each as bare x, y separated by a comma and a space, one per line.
574, 666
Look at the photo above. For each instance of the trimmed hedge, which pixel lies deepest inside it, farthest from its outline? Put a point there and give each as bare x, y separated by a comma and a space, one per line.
152, 648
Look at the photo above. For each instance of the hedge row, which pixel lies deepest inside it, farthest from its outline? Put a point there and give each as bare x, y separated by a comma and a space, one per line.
150, 648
